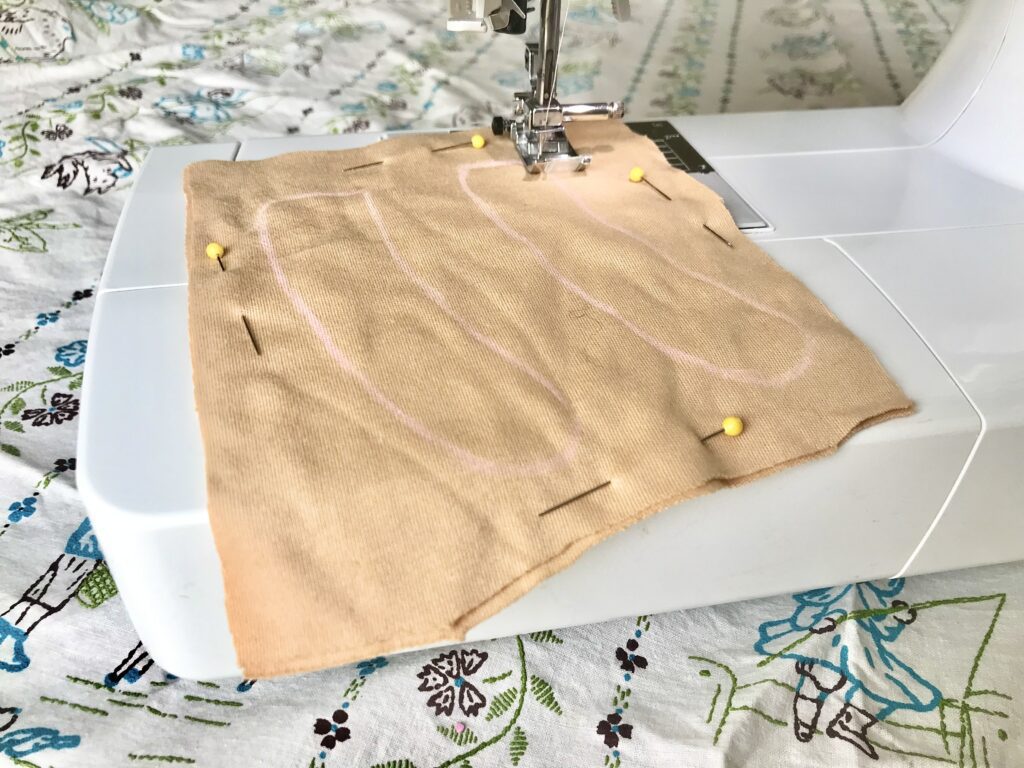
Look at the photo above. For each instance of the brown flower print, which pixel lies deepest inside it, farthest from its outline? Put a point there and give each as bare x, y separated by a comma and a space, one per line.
612, 728
629, 658
63, 407
446, 677
333, 732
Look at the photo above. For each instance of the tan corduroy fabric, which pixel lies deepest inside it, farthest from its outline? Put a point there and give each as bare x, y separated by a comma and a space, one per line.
449, 347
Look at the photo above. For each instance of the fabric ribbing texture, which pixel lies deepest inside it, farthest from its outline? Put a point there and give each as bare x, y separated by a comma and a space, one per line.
448, 347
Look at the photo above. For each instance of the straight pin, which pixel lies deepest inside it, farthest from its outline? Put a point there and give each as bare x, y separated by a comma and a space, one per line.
636, 175
452, 146
648, 183
709, 229
577, 497
364, 165
731, 426
252, 336
215, 251
477, 142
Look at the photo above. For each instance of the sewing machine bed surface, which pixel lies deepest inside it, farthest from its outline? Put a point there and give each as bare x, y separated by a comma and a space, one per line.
861, 219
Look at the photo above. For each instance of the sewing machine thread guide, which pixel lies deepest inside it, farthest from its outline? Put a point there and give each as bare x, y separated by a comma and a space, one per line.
252, 336
577, 497
709, 229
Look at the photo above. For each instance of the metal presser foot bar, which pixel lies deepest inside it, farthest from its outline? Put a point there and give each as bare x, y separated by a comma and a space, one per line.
537, 125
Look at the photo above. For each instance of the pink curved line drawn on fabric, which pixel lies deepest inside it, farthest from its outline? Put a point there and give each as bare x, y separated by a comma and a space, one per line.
742, 375
472, 460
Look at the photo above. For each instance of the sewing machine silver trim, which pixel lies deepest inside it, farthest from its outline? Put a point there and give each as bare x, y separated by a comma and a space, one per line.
537, 124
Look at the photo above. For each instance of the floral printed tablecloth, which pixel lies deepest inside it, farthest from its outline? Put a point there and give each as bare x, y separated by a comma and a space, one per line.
919, 672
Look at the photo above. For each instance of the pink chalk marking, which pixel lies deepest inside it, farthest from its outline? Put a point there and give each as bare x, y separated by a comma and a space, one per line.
742, 375
469, 459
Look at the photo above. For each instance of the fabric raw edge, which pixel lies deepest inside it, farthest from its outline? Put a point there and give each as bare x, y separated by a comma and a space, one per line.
522, 584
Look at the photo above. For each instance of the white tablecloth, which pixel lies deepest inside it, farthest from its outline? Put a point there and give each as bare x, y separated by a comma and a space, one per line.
917, 673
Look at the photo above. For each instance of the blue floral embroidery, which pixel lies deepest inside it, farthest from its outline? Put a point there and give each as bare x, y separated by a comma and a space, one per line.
46, 318
193, 52
368, 667
207, 105
276, 10
72, 354
2, 145
113, 13
19, 510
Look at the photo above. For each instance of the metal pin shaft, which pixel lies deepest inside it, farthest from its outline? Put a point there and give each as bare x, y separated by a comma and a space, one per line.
577, 497
713, 434
364, 165
648, 183
252, 336
709, 229
221, 262
453, 146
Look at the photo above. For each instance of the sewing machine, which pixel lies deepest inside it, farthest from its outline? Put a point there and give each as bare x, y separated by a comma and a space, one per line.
908, 222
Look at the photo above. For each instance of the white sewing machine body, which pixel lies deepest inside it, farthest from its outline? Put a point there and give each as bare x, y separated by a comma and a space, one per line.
907, 222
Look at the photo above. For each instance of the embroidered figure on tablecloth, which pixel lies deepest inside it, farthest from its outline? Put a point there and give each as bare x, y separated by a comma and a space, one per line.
890, 700
33, 34
101, 168
830, 675
47, 596
131, 668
